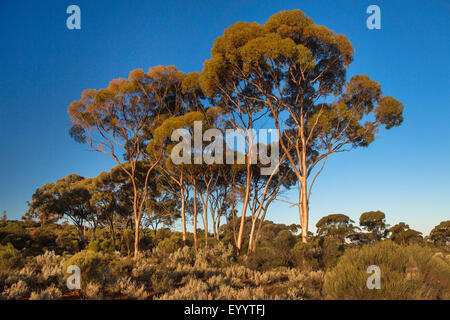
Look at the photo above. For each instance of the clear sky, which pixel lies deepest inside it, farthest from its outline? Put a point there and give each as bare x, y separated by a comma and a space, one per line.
44, 66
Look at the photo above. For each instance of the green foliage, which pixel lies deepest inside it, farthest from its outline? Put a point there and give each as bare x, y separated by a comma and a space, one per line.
171, 244
93, 265
332, 249
44, 238
67, 241
335, 225
374, 222
411, 272
9, 257
275, 252
264, 258
306, 256
441, 233
402, 234
104, 246
15, 232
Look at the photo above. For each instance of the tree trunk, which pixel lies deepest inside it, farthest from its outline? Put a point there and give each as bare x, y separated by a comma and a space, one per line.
205, 212
195, 219
251, 243
304, 211
244, 208
183, 217
113, 234
218, 227
136, 239
80, 229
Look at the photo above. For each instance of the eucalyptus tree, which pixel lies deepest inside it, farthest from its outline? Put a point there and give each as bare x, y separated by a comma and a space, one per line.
403, 234
174, 173
107, 192
67, 198
296, 70
120, 121
375, 223
162, 210
189, 102
244, 111
336, 225
440, 234
220, 199
41, 207
264, 190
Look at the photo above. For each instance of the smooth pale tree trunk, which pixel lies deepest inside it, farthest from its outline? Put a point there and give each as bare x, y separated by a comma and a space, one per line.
136, 241
217, 227
183, 216
251, 244
244, 209
205, 212
233, 212
195, 219
304, 211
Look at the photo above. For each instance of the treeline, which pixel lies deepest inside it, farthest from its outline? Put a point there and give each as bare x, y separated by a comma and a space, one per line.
288, 73
94, 222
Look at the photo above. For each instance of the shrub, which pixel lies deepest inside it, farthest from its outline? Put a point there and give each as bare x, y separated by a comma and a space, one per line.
43, 239
171, 244
105, 246
282, 243
332, 249
216, 256
130, 289
306, 256
18, 240
18, 290
93, 265
406, 273
67, 241
50, 293
9, 257
93, 291
146, 243
263, 258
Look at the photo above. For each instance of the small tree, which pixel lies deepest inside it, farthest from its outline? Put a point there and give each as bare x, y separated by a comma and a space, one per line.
402, 234
338, 226
41, 207
374, 222
68, 198
441, 233
5, 216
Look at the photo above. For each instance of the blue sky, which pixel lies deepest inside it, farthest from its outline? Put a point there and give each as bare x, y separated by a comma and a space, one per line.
45, 66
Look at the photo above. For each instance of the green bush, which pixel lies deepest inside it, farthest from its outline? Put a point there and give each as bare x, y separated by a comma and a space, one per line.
171, 244
105, 246
332, 249
306, 256
67, 241
264, 258
410, 272
146, 243
93, 265
9, 257
43, 239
